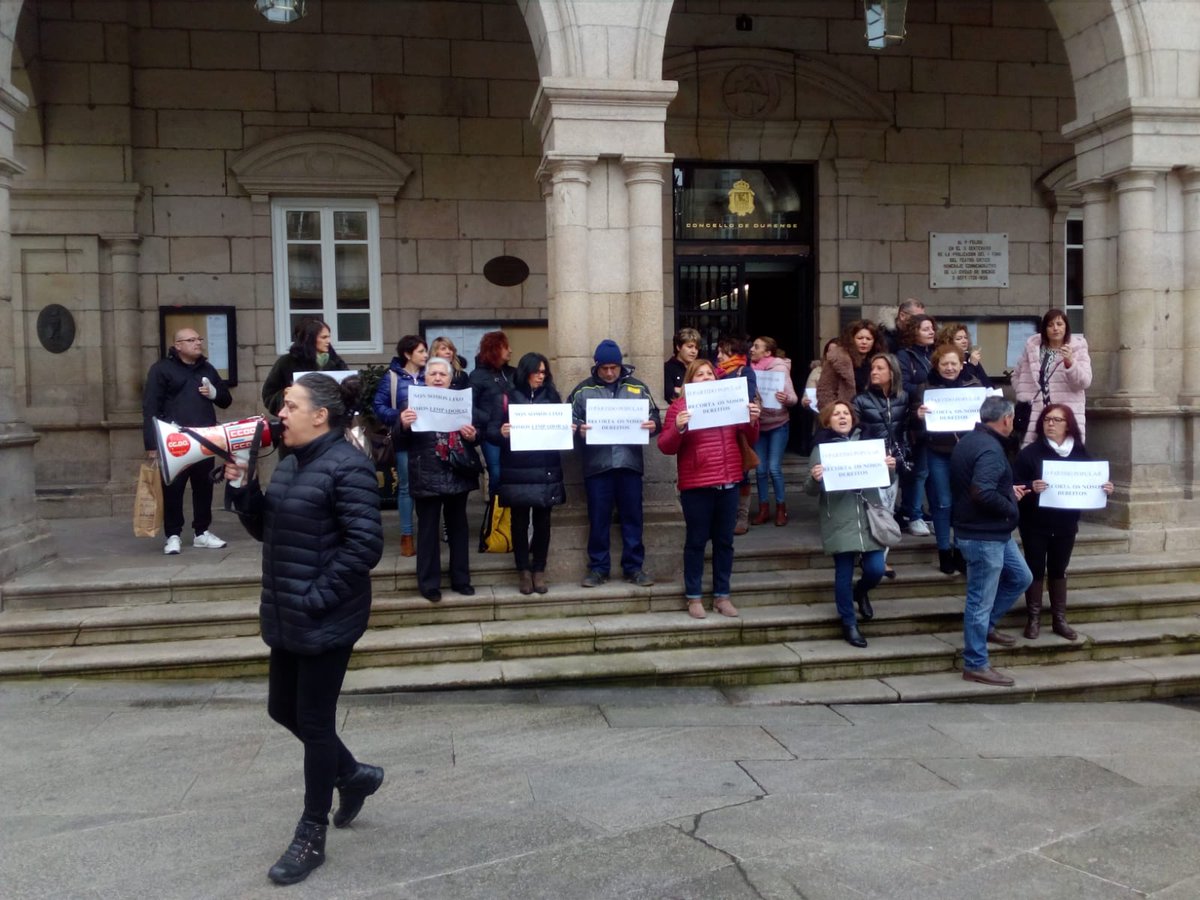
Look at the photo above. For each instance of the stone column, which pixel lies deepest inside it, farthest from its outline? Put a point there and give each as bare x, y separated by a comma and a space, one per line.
1190, 391
644, 179
569, 301
1136, 280
126, 373
24, 540
1099, 311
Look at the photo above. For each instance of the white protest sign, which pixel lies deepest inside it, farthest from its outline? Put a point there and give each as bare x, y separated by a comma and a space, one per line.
769, 384
337, 376
714, 404
617, 421
439, 409
1074, 484
811, 394
953, 409
853, 465
540, 426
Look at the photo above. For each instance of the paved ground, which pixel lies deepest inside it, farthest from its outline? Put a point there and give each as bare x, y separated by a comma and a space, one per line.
187, 790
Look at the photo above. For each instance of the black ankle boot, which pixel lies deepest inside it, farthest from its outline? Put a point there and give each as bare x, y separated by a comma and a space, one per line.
353, 790
946, 562
305, 853
960, 561
853, 637
864, 603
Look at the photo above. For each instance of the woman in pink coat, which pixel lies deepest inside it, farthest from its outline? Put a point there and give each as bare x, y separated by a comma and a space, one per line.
1055, 368
773, 429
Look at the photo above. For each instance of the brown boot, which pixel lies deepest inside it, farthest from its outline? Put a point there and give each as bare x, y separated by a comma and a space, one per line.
1058, 610
539, 583
407, 548
764, 514
526, 582
743, 513
1033, 607
780, 514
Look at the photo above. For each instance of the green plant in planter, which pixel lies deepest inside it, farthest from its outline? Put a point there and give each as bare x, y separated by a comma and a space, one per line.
369, 377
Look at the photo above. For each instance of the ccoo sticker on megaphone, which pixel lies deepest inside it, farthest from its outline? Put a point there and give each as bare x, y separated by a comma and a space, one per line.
180, 446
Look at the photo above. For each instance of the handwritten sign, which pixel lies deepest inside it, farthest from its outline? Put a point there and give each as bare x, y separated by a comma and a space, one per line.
617, 421
1074, 484
953, 409
439, 409
714, 404
540, 426
811, 394
854, 465
770, 383
337, 376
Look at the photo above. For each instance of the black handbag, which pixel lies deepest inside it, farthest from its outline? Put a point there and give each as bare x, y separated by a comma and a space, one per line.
464, 460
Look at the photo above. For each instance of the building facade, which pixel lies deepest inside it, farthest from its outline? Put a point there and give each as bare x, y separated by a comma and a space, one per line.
572, 170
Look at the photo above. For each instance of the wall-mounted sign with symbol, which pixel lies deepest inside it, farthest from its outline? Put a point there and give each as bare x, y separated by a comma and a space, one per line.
851, 290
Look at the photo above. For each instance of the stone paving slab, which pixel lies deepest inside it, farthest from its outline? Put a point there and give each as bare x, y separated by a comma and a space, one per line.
187, 790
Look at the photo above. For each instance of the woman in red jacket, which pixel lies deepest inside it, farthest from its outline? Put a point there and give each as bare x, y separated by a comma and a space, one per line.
710, 470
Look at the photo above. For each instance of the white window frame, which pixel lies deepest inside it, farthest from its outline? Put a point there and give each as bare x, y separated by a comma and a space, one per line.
280, 207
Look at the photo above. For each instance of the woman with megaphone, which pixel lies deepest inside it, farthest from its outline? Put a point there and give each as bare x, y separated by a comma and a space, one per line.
321, 533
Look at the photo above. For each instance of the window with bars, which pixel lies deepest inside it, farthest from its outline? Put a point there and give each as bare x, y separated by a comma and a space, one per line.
326, 256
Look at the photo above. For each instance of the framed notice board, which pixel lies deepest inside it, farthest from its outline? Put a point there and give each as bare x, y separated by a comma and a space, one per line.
216, 324
1000, 339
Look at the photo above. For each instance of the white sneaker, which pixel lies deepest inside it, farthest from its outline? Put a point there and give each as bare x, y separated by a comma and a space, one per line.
209, 541
172, 546
918, 527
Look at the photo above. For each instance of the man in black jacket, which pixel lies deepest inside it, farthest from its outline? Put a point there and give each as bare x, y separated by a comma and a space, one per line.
985, 514
183, 388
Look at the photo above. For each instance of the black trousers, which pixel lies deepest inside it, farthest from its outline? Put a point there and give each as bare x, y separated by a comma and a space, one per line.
540, 547
199, 476
1047, 552
302, 695
429, 540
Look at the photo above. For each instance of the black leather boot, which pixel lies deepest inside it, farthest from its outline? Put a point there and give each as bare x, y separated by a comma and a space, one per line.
353, 790
946, 562
305, 853
864, 603
1058, 610
1033, 609
853, 637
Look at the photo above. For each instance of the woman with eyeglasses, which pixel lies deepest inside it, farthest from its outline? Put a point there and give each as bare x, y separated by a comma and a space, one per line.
1048, 534
531, 481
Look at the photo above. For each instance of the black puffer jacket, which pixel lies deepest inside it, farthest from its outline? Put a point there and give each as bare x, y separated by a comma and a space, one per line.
488, 385
321, 533
883, 416
527, 477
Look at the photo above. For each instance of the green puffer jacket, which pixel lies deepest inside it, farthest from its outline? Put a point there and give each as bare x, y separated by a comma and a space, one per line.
843, 519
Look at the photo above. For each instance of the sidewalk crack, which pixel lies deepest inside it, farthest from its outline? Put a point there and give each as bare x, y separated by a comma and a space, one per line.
734, 861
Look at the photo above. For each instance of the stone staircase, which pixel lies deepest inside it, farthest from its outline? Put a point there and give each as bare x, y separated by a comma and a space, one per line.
1138, 617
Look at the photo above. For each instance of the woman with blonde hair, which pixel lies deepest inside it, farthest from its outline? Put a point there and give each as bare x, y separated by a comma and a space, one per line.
444, 347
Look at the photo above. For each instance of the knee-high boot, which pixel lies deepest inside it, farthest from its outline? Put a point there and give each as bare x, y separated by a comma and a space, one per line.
743, 513
1058, 609
1033, 606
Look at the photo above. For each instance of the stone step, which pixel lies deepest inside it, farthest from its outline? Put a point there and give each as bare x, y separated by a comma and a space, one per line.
236, 575
769, 644
776, 604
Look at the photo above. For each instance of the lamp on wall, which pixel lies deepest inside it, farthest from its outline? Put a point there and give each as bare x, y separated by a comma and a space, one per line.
281, 11
885, 22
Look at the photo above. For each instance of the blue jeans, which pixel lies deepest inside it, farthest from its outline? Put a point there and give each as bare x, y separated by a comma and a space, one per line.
996, 576
622, 488
769, 448
404, 501
710, 514
940, 499
912, 487
843, 580
491, 459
